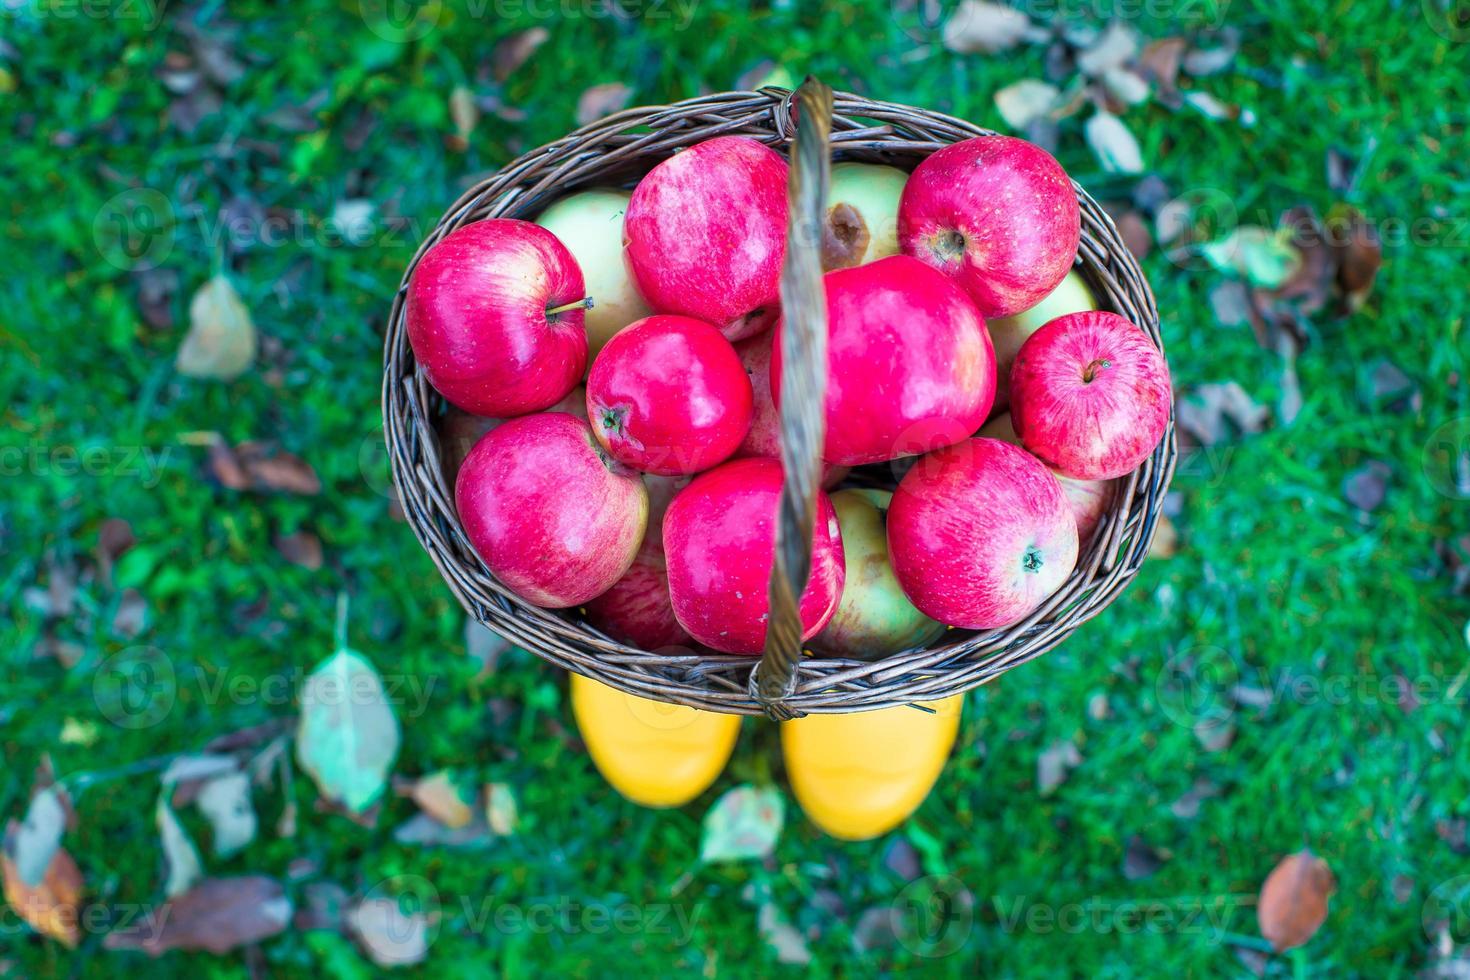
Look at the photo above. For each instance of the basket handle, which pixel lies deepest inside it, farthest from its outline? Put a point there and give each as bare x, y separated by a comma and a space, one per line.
803, 396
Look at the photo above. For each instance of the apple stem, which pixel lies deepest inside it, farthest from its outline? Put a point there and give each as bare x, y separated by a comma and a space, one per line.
584, 303
1090, 372
1031, 560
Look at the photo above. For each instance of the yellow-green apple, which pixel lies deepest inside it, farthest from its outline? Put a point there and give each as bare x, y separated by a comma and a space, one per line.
1090, 395
996, 213
720, 542
1008, 333
861, 224
980, 534
705, 234
909, 362
1089, 499
669, 396
637, 609
495, 318
874, 618
590, 225
553, 517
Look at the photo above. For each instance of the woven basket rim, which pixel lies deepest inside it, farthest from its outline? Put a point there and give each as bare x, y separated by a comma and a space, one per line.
615, 151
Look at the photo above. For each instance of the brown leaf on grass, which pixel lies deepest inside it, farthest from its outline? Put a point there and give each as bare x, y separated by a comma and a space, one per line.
512, 51
1055, 764
1159, 63
1359, 253
260, 466
1141, 860
216, 915
156, 289
1209, 411
465, 115
131, 615
1166, 540
1187, 806
114, 538
977, 26
602, 100
301, 548
1134, 232
1366, 486
440, 796
1293, 902
51, 905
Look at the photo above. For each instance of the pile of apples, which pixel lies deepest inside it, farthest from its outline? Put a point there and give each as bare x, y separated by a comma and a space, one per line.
649, 499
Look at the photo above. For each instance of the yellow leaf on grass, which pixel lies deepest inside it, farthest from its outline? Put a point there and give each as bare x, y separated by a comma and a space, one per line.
221, 341
51, 907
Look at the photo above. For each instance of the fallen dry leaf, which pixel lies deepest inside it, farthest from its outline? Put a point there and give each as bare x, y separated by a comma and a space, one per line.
602, 100
442, 798
1214, 58
1125, 88
217, 915
1293, 902
1159, 63
1055, 764
1208, 411
389, 936
302, 548
977, 26
1135, 234
465, 115
501, 811
1359, 252
1113, 144
260, 466
1166, 540
1113, 48
514, 50
1366, 486
51, 905
221, 342
1022, 103
114, 538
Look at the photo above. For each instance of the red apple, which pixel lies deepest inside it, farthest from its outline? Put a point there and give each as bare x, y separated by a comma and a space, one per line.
909, 363
637, 609
1090, 395
980, 534
487, 322
1089, 499
552, 517
668, 395
705, 234
720, 539
996, 213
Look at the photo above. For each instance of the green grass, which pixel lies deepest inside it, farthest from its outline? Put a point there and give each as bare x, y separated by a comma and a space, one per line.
1305, 597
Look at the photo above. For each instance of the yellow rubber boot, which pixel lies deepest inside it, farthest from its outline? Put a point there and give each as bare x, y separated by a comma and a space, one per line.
655, 754
860, 775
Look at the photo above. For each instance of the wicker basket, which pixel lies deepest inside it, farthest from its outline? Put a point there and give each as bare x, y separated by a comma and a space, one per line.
617, 151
